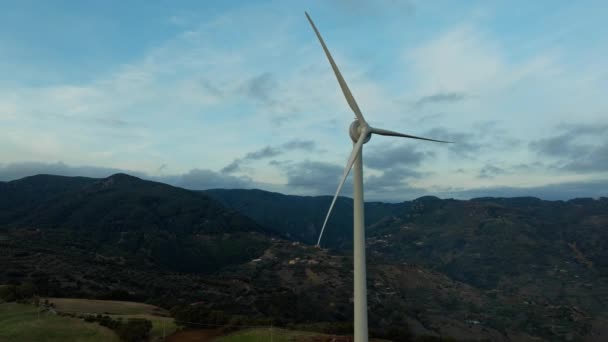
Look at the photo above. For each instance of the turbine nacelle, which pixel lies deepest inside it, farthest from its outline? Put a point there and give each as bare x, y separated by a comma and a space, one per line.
355, 130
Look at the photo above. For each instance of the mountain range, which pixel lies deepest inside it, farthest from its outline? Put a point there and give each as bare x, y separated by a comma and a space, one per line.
485, 268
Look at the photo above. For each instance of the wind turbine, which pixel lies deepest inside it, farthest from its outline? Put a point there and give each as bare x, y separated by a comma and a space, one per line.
360, 133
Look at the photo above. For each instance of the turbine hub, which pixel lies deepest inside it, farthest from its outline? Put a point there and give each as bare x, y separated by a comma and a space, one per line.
355, 131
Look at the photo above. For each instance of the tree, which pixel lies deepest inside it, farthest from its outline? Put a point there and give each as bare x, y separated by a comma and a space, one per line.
8, 293
135, 330
25, 290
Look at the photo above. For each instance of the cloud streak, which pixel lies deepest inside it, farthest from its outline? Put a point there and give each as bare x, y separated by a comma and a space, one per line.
578, 148
491, 171
269, 152
439, 98
389, 156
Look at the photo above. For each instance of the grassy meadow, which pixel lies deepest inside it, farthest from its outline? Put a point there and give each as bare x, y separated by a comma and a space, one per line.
268, 334
114, 307
22, 322
283, 335
162, 324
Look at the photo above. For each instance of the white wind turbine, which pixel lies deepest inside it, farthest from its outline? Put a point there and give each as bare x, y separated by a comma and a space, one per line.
360, 133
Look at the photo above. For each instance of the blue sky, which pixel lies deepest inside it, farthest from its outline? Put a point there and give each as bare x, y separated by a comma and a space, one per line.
239, 94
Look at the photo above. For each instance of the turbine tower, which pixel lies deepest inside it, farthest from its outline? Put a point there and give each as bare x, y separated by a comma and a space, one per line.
360, 133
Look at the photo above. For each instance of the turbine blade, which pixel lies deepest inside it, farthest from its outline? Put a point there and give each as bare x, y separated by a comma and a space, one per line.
397, 134
349, 96
351, 160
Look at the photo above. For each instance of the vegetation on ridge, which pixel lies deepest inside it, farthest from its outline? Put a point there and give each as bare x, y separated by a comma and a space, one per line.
498, 269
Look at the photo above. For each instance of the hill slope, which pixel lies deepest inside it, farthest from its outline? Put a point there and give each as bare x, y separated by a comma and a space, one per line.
117, 203
145, 223
486, 268
301, 217
546, 253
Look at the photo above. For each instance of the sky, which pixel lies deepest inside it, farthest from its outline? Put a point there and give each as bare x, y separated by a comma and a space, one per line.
238, 94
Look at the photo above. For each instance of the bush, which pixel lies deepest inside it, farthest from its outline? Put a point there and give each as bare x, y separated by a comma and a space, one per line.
135, 330
399, 334
26, 290
8, 293
22, 292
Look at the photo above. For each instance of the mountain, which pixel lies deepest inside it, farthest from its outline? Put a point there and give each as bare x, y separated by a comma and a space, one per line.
439, 233
544, 253
119, 202
483, 241
123, 216
287, 283
500, 269
21, 196
301, 217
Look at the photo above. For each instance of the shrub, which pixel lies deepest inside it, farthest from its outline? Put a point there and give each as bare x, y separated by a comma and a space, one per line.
135, 330
8, 293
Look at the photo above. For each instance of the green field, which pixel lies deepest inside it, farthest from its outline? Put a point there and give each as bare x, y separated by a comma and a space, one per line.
282, 335
268, 334
105, 306
162, 325
21, 322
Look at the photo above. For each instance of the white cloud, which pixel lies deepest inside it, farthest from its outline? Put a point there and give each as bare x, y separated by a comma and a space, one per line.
467, 60
458, 61
182, 102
